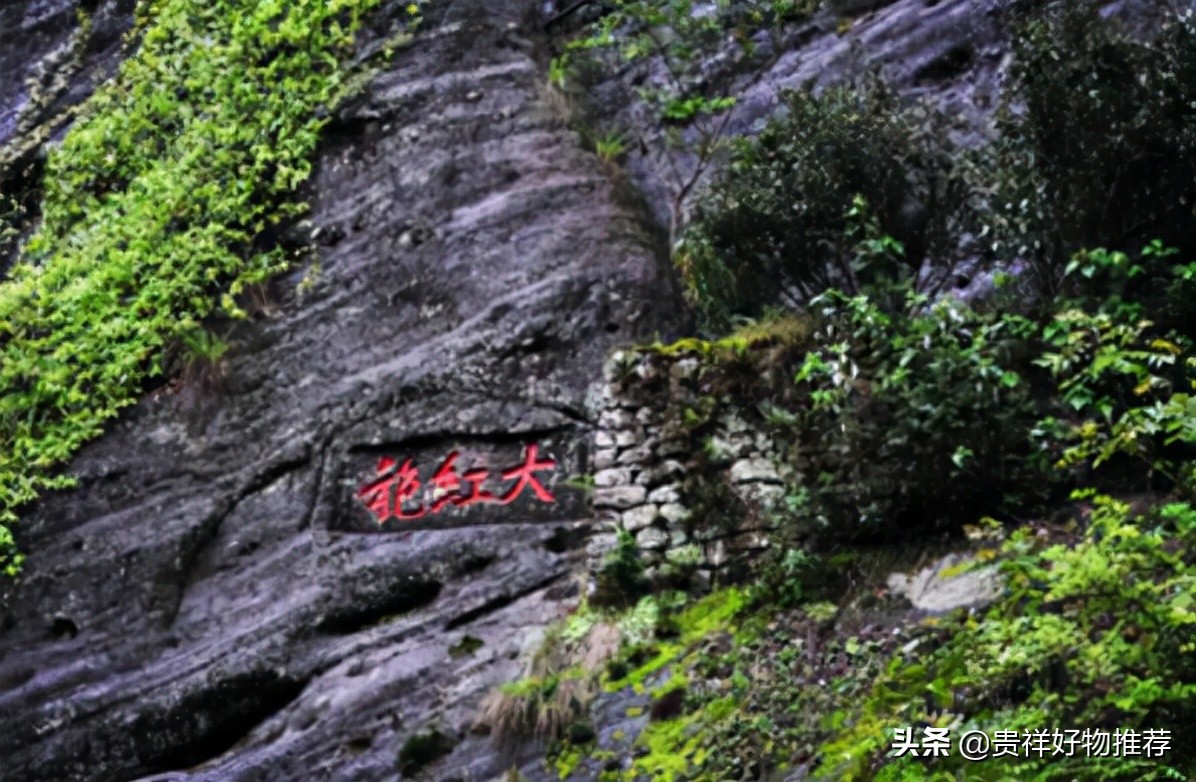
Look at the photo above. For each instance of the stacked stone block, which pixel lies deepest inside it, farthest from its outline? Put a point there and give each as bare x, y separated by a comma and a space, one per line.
642, 458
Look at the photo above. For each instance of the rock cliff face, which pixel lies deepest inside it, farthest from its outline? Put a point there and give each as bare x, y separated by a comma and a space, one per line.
201, 606
190, 597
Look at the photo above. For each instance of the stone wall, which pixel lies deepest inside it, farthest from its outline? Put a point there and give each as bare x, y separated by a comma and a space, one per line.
689, 471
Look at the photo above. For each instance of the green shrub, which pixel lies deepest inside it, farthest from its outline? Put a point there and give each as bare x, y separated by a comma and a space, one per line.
1091, 635
537, 708
1093, 631
774, 229
1124, 398
620, 580
200, 360
1097, 148
913, 418
1098, 138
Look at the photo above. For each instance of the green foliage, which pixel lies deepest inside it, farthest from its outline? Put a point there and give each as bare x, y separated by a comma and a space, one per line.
558, 71
1124, 393
1095, 630
10, 559
610, 147
1095, 633
159, 203
840, 178
537, 708
201, 359
789, 584
1098, 143
912, 418
752, 700
1097, 148
620, 580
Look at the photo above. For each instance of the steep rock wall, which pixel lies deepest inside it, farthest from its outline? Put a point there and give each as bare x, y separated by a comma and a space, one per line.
198, 591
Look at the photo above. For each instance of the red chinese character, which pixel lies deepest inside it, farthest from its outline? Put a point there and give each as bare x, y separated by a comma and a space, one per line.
376, 493
523, 475
408, 487
445, 480
475, 478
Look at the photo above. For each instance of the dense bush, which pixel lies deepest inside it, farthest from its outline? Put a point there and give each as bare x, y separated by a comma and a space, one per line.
1097, 147
1124, 397
1095, 627
1098, 138
620, 580
913, 418
774, 228
1094, 634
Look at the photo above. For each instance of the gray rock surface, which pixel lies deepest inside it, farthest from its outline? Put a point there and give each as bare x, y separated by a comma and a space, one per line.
196, 609
49, 63
943, 586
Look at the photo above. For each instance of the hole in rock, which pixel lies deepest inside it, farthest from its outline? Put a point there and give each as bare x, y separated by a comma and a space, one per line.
564, 539
63, 627
206, 724
953, 62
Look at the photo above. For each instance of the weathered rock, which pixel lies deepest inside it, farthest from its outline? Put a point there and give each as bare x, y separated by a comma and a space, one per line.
618, 476
685, 368
640, 454
604, 458
638, 518
678, 538
667, 470
652, 539
930, 589
190, 610
599, 544
674, 512
664, 494
674, 449
49, 63
754, 470
620, 497
627, 439
618, 419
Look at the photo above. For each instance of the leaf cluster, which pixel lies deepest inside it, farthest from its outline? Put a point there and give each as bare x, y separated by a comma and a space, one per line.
913, 418
160, 202
778, 227
1097, 138
1094, 634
